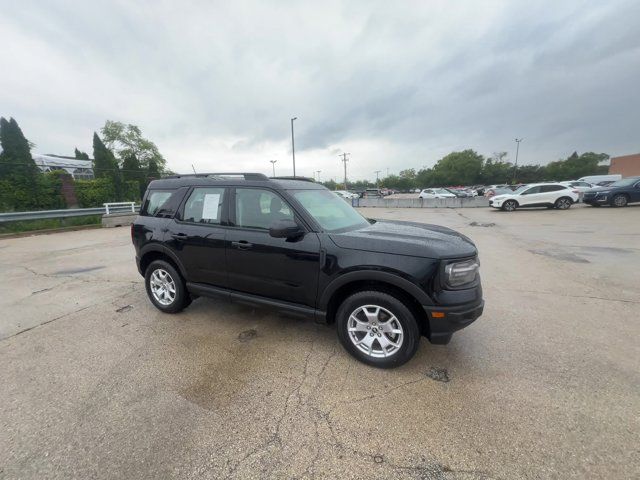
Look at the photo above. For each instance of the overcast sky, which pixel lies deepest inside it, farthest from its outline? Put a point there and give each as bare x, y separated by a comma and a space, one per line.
396, 84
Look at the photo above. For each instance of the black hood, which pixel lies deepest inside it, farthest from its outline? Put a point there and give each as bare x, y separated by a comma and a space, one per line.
407, 238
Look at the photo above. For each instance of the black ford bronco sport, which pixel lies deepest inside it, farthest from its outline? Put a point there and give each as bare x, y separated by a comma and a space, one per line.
291, 244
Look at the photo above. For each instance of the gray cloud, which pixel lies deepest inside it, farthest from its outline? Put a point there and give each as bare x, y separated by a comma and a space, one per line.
396, 85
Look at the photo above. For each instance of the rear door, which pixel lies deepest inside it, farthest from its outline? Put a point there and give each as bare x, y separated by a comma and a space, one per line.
635, 192
197, 235
259, 264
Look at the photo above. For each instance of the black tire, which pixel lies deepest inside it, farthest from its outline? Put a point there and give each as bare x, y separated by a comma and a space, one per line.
181, 299
619, 200
509, 206
410, 336
563, 203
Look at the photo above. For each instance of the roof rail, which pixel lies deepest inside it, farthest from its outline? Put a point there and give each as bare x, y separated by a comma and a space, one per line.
302, 179
245, 175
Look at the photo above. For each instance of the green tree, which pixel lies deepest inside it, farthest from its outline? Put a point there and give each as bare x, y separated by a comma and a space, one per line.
125, 139
131, 171
330, 184
459, 168
81, 155
576, 166
19, 175
105, 165
152, 171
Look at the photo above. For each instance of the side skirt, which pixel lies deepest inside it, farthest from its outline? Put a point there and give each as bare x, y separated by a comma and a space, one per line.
256, 300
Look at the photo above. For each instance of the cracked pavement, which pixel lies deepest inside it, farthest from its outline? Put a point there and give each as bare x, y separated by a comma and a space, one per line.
546, 384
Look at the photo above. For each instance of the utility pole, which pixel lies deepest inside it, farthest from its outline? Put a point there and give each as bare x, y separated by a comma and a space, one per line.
387, 171
273, 164
515, 169
318, 172
345, 160
293, 147
377, 178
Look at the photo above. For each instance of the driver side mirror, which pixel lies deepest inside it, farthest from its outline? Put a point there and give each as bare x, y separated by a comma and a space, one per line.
285, 228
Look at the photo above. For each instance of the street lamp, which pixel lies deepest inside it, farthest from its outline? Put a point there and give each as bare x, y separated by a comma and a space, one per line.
377, 172
318, 172
293, 147
273, 164
515, 169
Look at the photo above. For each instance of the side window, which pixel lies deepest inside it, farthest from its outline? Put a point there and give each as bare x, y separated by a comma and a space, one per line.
204, 205
155, 199
531, 190
256, 208
551, 188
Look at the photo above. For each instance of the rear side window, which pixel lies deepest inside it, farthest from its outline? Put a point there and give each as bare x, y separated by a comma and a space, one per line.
204, 205
553, 188
155, 200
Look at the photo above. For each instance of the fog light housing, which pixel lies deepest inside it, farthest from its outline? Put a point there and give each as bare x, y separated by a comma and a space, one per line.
460, 273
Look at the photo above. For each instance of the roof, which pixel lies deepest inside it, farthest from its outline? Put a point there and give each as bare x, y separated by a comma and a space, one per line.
62, 162
236, 180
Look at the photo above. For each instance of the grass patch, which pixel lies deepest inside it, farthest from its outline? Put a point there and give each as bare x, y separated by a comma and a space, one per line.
49, 223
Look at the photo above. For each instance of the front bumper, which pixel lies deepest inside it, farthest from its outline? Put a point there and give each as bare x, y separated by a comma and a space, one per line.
596, 199
443, 321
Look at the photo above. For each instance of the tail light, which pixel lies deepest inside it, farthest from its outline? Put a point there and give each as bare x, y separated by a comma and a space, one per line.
576, 191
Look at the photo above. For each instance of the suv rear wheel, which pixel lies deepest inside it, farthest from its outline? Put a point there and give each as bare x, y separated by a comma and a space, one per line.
165, 287
563, 203
377, 329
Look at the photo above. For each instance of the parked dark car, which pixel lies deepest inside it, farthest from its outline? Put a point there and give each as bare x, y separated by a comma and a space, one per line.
295, 246
618, 194
372, 193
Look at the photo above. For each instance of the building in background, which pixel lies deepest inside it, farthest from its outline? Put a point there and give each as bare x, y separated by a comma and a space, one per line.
627, 165
78, 169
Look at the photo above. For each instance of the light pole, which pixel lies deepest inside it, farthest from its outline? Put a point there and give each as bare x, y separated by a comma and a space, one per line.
377, 179
293, 147
515, 169
273, 165
318, 172
345, 160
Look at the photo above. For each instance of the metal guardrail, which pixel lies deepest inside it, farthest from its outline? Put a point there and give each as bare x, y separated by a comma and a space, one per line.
111, 206
68, 212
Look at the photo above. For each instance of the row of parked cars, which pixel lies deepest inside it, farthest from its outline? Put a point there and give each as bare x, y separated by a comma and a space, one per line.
561, 195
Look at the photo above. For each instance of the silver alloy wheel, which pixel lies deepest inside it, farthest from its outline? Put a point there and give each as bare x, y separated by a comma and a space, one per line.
163, 288
564, 203
375, 331
620, 200
510, 205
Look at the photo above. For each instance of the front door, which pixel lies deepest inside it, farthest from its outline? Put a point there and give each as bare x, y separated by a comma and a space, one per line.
262, 265
532, 197
197, 235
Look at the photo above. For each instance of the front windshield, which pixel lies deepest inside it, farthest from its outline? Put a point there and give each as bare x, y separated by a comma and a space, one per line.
330, 211
627, 182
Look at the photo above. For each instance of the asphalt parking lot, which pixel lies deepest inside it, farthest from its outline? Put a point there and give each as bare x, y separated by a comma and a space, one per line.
96, 383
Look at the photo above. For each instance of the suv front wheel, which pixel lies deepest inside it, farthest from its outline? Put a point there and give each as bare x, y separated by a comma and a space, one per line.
377, 329
165, 287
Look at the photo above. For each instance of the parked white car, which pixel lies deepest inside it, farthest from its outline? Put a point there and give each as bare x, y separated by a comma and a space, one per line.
436, 193
578, 185
550, 195
345, 194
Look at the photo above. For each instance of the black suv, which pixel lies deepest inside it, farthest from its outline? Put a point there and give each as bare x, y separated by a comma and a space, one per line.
296, 246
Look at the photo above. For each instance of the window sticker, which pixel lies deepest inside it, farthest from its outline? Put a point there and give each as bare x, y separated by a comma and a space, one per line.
210, 206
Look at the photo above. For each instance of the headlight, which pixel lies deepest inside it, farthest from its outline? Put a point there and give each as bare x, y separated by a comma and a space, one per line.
461, 273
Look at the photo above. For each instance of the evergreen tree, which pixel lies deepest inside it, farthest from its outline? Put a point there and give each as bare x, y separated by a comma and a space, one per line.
20, 178
153, 171
131, 171
15, 159
81, 155
105, 165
